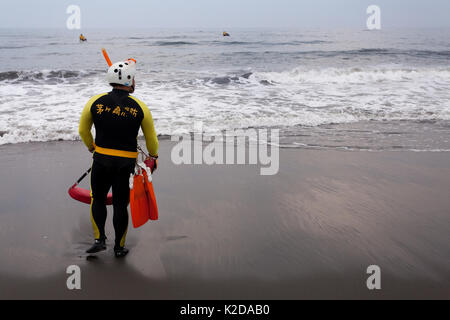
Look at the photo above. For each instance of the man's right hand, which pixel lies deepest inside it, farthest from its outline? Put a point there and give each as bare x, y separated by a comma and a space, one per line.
152, 163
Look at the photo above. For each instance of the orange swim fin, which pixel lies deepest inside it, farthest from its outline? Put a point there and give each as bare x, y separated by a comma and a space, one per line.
138, 202
152, 206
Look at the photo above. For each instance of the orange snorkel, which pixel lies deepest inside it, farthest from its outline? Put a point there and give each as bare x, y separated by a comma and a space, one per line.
108, 61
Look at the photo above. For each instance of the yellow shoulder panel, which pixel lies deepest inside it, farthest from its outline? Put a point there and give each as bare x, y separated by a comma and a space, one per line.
86, 122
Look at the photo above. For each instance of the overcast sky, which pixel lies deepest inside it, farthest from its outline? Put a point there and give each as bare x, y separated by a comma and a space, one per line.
224, 13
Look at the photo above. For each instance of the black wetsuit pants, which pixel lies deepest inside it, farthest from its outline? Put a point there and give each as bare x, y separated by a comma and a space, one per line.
103, 177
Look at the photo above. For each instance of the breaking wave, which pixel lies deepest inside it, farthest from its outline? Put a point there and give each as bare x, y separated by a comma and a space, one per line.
43, 75
292, 99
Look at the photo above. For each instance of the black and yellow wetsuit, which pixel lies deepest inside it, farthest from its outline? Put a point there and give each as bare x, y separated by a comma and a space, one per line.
117, 118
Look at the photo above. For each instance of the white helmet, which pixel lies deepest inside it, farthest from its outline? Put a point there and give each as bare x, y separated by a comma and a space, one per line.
122, 73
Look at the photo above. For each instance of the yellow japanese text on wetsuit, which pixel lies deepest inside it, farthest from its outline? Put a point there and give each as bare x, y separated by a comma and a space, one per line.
117, 118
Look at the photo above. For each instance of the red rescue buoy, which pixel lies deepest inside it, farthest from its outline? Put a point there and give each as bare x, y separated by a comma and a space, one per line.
84, 195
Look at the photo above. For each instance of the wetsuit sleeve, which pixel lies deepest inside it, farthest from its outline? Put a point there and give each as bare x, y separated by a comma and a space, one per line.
86, 123
148, 128
151, 139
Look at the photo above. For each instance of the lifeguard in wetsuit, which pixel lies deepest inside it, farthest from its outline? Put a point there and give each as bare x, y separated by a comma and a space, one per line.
117, 117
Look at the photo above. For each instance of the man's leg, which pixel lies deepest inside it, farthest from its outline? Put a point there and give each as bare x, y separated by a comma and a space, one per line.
100, 185
121, 199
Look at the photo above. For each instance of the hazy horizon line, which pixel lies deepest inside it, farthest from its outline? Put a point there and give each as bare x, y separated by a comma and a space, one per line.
230, 28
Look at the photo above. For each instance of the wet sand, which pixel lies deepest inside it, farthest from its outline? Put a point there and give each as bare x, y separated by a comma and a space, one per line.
226, 232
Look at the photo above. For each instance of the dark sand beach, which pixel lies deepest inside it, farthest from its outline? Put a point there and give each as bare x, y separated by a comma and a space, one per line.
226, 232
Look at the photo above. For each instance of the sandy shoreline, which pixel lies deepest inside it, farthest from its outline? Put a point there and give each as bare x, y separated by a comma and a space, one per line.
227, 232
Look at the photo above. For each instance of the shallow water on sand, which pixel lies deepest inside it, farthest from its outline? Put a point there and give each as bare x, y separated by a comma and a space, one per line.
226, 232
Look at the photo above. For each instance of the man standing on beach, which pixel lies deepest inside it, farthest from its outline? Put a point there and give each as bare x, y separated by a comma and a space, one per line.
117, 117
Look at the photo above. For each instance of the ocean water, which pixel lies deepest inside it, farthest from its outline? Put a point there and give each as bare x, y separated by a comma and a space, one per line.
346, 89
